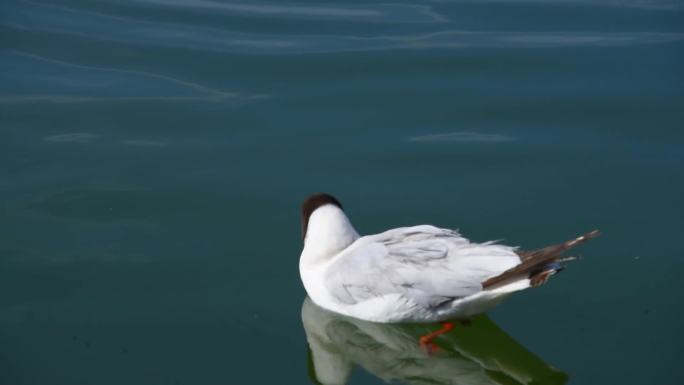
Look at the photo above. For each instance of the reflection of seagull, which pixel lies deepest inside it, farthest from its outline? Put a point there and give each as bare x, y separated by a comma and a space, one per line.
411, 274
479, 354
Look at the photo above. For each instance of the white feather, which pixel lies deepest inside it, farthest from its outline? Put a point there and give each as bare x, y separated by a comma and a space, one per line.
418, 274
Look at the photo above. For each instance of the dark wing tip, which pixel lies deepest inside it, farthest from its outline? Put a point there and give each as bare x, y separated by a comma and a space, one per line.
582, 238
533, 259
591, 234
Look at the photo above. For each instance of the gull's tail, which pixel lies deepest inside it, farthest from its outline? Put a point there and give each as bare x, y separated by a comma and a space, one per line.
538, 265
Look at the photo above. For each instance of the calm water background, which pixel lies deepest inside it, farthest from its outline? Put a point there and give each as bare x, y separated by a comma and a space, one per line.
154, 154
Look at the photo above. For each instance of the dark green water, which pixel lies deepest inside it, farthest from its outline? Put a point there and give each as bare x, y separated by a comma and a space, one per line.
153, 155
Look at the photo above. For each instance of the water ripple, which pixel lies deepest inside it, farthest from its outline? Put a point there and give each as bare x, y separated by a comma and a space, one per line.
664, 5
463, 137
80, 83
96, 26
79, 137
394, 13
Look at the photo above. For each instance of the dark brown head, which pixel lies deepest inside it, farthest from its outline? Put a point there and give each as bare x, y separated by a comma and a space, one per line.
313, 202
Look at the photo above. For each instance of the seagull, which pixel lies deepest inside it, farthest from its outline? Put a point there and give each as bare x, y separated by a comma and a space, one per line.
414, 274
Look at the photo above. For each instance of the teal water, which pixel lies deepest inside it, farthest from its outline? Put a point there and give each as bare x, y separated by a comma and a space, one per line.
154, 155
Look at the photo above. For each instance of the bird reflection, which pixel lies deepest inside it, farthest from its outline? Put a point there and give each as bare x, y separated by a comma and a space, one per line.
474, 353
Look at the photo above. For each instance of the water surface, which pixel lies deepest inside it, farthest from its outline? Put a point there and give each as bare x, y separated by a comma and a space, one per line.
154, 154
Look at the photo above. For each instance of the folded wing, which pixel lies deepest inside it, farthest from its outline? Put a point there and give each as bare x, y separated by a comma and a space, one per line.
428, 265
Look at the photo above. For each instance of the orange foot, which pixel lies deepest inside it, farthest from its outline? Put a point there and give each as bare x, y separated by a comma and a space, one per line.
426, 343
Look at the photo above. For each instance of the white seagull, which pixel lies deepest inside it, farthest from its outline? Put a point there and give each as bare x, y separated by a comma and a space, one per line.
412, 274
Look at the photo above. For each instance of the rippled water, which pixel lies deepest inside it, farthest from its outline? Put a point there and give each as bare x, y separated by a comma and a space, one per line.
154, 154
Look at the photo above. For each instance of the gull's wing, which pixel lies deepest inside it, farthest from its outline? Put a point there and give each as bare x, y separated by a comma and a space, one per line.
426, 264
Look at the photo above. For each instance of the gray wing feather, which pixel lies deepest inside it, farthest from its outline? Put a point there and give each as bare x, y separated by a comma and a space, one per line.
426, 264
